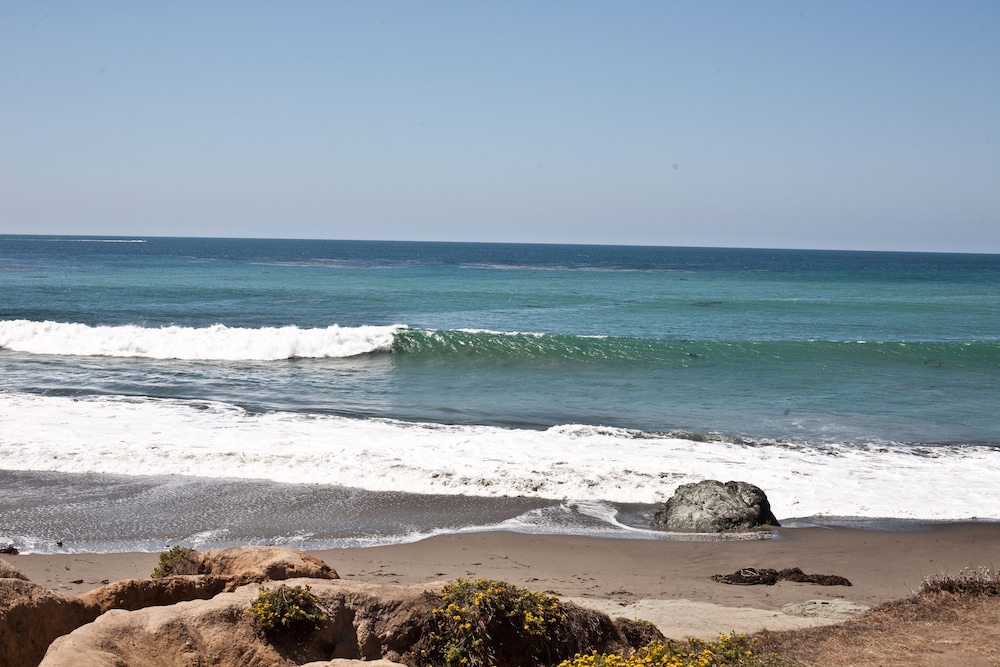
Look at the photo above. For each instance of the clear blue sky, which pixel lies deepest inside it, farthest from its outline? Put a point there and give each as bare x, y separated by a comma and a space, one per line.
869, 125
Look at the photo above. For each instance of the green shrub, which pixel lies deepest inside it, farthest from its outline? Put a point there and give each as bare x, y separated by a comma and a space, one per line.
169, 560
473, 618
294, 610
728, 651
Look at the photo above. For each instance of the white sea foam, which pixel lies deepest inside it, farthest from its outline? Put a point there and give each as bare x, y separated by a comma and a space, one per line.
217, 342
581, 464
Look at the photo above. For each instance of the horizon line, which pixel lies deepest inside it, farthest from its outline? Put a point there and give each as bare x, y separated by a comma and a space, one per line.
144, 237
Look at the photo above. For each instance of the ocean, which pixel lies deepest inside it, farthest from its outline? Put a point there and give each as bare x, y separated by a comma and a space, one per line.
317, 394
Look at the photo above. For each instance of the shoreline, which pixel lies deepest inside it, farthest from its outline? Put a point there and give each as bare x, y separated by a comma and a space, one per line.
666, 582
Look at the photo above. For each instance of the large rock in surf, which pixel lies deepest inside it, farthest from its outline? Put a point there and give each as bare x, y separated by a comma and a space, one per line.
713, 507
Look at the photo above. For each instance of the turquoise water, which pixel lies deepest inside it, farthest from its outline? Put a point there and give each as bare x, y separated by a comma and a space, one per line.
802, 345
606, 360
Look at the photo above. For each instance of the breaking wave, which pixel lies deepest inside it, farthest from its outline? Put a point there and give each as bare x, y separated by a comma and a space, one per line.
224, 343
217, 342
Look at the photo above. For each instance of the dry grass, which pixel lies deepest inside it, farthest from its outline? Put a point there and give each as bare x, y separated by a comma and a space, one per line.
953, 620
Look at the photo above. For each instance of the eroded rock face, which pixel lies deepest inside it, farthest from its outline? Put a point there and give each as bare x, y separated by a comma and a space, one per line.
131, 594
244, 565
184, 620
713, 507
31, 616
365, 621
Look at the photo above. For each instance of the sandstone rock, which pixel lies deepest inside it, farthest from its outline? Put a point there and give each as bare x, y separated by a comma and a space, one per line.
31, 616
244, 565
713, 507
131, 594
365, 621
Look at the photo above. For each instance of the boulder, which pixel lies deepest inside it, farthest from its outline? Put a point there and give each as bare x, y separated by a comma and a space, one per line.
364, 621
713, 507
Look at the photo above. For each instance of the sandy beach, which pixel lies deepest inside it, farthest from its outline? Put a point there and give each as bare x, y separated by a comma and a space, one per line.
666, 582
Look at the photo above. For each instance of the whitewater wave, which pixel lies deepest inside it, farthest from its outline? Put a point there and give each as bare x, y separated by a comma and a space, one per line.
143, 437
216, 343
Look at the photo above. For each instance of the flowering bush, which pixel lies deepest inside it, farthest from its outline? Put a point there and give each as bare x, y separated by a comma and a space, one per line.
728, 651
294, 610
473, 617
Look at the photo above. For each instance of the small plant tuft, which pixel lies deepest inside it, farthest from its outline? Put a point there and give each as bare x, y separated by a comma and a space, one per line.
728, 651
294, 610
169, 560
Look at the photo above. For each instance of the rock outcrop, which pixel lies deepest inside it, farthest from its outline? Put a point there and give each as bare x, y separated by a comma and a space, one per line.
201, 618
32, 616
244, 565
713, 507
131, 594
364, 621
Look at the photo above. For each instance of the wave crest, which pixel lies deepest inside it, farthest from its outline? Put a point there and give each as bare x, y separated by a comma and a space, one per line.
217, 342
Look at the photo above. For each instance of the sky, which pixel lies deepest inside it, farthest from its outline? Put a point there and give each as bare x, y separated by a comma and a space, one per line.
847, 124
